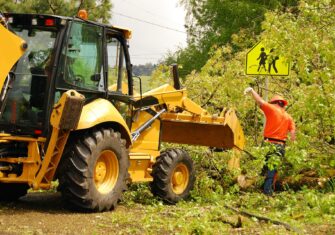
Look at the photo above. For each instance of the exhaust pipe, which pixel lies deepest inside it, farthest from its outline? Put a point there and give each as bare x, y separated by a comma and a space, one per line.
176, 82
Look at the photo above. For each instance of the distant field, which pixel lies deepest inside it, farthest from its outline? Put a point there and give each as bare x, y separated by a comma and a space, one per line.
145, 83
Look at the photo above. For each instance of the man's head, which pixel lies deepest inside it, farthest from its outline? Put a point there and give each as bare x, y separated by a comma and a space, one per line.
277, 99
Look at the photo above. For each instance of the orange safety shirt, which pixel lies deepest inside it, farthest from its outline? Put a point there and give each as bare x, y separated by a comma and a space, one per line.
278, 122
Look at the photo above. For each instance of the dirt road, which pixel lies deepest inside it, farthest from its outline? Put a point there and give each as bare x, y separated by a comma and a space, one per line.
45, 213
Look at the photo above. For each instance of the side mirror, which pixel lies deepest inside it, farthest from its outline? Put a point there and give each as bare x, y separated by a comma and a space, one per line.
96, 77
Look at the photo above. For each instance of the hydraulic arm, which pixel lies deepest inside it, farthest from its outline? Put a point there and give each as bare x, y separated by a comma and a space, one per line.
185, 122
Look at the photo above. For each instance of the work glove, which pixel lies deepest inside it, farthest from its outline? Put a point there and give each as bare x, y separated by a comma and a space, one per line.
248, 90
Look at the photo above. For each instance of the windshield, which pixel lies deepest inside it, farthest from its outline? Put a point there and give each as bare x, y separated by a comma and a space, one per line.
26, 99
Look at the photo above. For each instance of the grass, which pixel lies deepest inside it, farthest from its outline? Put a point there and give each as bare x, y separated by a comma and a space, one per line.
139, 212
309, 211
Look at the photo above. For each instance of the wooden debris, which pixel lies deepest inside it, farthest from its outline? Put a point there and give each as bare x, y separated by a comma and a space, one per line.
309, 178
263, 218
234, 222
245, 181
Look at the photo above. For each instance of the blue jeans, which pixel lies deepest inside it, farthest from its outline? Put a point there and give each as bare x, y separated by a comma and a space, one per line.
270, 175
269, 181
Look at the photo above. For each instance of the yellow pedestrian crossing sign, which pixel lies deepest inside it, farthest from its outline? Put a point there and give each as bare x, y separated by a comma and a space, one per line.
262, 61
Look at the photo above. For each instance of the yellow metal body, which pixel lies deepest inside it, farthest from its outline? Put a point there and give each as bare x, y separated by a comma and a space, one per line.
106, 171
126, 32
11, 49
174, 99
38, 168
141, 164
102, 111
180, 178
184, 122
39, 173
31, 163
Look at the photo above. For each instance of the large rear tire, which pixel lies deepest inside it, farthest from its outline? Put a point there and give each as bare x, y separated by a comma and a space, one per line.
173, 175
94, 170
12, 192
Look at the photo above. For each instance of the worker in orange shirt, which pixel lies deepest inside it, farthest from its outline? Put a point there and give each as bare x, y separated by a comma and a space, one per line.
277, 125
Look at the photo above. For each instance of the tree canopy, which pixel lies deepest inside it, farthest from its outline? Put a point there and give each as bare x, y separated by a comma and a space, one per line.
305, 36
212, 22
97, 10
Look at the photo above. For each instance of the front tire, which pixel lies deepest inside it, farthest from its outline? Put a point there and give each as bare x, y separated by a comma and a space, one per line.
173, 175
94, 170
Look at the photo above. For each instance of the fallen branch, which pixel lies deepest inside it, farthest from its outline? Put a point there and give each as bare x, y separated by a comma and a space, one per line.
248, 214
233, 224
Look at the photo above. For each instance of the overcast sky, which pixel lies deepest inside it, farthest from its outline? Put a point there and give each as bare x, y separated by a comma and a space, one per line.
157, 27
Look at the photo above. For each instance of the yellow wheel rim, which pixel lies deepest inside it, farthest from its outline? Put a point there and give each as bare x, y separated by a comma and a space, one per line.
106, 171
179, 178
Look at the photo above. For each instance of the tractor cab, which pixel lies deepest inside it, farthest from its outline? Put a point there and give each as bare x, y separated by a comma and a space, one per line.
62, 53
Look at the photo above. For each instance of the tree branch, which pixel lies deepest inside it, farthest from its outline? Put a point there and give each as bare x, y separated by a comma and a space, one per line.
210, 97
248, 214
81, 3
51, 7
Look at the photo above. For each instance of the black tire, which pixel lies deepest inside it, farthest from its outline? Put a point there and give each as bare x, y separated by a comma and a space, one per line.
170, 164
81, 183
12, 192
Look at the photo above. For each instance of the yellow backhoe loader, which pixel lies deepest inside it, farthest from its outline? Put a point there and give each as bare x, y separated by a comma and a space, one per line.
69, 112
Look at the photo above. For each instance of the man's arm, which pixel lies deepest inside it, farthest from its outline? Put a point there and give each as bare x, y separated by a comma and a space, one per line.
292, 129
259, 100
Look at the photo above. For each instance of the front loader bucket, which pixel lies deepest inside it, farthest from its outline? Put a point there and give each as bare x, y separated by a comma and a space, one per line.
193, 133
220, 132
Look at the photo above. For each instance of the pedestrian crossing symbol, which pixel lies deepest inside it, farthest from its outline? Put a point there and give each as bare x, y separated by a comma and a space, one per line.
261, 61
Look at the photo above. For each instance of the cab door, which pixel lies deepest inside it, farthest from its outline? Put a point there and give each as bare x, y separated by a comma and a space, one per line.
119, 85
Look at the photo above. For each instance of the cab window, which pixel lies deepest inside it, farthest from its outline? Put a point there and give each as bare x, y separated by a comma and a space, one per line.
83, 57
117, 72
27, 99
